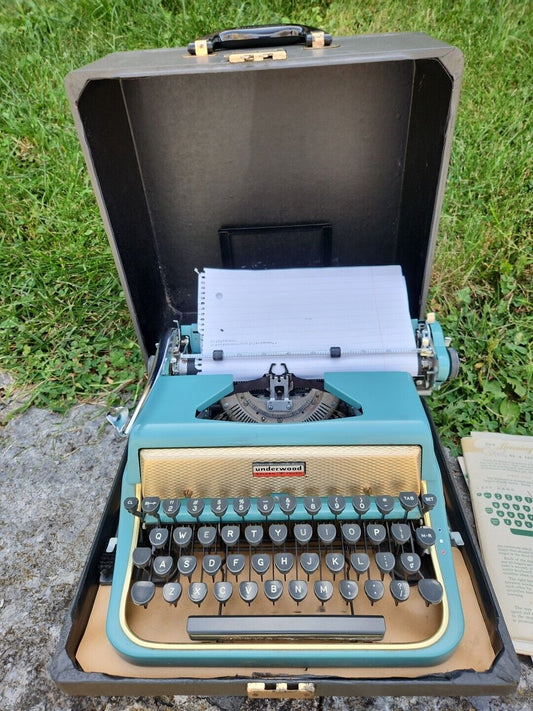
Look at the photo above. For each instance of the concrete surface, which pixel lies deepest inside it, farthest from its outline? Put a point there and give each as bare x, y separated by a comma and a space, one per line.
55, 473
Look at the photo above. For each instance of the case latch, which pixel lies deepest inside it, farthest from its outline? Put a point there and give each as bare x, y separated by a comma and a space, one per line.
280, 690
275, 54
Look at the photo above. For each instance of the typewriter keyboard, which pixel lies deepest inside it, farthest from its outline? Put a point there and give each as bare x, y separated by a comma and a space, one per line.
283, 567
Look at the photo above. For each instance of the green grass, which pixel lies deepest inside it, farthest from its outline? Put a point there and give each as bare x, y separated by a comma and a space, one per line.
65, 333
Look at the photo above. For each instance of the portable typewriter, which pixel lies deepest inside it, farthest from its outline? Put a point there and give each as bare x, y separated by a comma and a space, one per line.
285, 515
279, 515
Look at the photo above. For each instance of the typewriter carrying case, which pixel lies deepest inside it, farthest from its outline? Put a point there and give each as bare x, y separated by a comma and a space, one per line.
268, 154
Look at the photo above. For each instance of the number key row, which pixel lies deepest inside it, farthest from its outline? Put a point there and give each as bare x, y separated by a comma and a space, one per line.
334, 505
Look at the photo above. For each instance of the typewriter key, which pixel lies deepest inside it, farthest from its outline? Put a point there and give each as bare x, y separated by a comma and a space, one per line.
195, 507
206, 536
222, 627
248, 590
298, 590
284, 562
401, 533
131, 504
287, 504
303, 533
150, 505
223, 591
430, 590
360, 562
235, 563
385, 504
171, 593
351, 532
385, 562
171, 507
197, 592
312, 504
334, 562
253, 535
187, 565
211, 564
425, 537
400, 590
376, 533
323, 590
158, 537
230, 534
182, 536
163, 566
309, 562
361, 504
278, 533
261, 563
409, 563
374, 590
348, 589
219, 506
408, 500
429, 501
326, 532
273, 589
141, 557
142, 592
241, 506
265, 505
336, 504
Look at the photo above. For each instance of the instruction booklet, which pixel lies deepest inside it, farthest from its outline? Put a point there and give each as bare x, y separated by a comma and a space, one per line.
499, 470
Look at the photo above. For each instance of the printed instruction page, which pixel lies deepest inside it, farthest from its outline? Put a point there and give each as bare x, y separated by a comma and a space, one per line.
499, 468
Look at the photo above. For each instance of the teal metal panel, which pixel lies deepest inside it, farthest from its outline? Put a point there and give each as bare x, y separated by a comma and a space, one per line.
392, 415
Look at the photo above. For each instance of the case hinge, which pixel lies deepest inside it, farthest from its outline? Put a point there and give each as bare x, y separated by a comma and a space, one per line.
201, 48
318, 39
280, 690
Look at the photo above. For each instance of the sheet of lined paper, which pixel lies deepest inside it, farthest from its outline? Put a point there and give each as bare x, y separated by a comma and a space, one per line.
253, 318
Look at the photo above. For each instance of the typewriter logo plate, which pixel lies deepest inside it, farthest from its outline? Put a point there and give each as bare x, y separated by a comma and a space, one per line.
277, 469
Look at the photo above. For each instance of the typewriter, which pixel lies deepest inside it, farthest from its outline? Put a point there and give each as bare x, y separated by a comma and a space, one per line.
284, 517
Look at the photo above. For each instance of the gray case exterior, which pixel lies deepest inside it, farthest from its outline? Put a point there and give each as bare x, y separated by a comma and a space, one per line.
356, 135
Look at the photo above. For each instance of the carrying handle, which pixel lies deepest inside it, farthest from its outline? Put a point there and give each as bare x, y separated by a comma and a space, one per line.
260, 36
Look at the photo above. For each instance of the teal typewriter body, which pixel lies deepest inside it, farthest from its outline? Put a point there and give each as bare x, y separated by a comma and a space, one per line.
311, 542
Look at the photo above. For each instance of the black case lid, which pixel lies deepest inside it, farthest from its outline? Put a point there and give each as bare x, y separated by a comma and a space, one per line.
352, 141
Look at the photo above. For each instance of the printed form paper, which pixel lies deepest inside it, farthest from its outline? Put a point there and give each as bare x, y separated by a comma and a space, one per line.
255, 318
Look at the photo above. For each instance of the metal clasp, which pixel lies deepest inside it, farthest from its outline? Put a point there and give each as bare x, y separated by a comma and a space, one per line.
275, 55
280, 690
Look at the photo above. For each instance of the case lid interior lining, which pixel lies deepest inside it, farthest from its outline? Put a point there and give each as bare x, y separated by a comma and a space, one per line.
179, 156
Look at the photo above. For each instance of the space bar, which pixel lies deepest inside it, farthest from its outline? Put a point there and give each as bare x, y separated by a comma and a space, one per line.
238, 627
